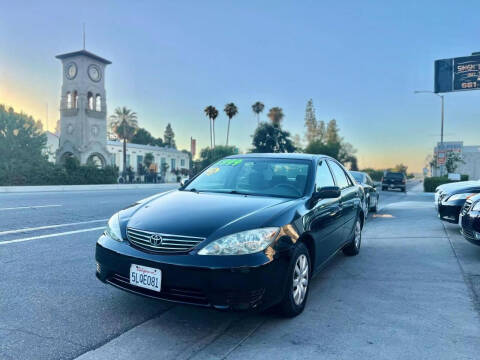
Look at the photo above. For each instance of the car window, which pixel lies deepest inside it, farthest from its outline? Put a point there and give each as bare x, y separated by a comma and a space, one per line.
359, 177
324, 176
394, 175
369, 180
254, 176
340, 176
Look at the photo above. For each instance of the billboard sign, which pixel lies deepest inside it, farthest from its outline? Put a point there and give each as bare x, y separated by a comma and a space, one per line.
457, 74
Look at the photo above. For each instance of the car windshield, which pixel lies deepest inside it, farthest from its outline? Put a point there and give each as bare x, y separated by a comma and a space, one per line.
357, 176
254, 176
394, 175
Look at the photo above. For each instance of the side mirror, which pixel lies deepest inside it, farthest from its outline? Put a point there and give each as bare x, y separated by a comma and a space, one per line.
327, 192
183, 183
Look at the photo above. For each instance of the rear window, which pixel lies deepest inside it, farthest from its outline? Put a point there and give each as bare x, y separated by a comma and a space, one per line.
394, 175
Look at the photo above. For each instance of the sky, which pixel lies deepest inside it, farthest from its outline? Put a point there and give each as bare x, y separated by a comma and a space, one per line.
360, 62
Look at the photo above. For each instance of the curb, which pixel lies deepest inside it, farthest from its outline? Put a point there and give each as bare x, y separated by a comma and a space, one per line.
60, 188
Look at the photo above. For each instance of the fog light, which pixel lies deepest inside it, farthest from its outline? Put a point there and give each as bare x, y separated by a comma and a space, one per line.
477, 235
98, 268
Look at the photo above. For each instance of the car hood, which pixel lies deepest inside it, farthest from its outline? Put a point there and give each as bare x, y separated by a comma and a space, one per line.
199, 214
453, 186
464, 189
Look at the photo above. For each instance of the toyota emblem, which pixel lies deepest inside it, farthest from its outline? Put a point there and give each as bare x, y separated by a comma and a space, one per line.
156, 240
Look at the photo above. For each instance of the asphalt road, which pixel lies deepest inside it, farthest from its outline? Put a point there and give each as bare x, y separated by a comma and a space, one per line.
412, 293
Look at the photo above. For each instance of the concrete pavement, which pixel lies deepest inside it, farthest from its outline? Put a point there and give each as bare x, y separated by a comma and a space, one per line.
409, 294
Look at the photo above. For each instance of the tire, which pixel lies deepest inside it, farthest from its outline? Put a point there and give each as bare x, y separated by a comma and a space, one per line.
353, 247
374, 208
294, 299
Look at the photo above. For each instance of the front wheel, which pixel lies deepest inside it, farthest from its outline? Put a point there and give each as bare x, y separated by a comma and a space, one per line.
296, 291
353, 248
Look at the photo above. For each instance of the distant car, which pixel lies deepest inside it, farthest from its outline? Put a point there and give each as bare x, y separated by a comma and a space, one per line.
452, 199
394, 180
248, 232
370, 189
470, 220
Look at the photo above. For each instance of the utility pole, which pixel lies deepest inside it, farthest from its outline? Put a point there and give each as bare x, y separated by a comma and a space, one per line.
442, 97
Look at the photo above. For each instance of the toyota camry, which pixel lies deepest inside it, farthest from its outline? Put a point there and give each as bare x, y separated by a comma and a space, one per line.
249, 232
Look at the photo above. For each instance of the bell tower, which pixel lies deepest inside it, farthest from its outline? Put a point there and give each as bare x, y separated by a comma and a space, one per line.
83, 108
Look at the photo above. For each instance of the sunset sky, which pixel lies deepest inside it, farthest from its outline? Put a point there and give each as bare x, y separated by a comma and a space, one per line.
360, 62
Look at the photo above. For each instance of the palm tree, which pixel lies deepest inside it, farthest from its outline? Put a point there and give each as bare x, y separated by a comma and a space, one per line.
124, 124
276, 115
212, 114
257, 109
231, 110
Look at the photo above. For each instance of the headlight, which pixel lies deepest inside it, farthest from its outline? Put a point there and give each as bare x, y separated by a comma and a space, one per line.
476, 206
460, 196
245, 242
113, 228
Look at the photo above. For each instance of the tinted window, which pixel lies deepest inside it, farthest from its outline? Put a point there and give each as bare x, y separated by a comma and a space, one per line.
342, 181
393, 175
357, 176
323, 176
254, 176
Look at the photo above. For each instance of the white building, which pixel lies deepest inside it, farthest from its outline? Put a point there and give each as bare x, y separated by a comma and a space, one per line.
469, 154
175, 159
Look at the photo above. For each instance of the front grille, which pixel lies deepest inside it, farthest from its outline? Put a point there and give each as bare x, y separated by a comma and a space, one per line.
466, 206
187, 296
168, 244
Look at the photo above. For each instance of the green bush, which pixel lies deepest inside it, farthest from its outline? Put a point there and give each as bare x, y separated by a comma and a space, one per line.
431, 183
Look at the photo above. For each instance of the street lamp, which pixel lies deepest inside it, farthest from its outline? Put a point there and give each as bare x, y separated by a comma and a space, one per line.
441, 97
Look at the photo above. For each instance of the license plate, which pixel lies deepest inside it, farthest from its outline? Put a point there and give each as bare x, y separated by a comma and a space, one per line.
145, 277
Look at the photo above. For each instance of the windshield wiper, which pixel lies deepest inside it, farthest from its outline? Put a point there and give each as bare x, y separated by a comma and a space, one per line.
238, 192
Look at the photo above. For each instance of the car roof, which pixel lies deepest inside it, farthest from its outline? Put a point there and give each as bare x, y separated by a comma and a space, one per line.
296, 156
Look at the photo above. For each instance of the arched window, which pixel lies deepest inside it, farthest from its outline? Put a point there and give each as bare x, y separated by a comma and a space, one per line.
75, 99
69, 100
98, 103
90, 100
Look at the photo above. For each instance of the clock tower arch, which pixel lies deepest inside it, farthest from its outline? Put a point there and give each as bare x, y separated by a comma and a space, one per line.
83, 108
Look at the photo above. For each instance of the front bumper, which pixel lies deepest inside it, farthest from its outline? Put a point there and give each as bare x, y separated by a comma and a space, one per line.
242, 282
471, 227
400, 186
450, 211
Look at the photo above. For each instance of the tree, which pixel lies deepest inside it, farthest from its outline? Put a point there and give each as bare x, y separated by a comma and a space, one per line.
400, 168
212, 114
332, 135
21, 148
257, 109
143, 137
231, 110
169, 137
124, 124
209, 156
275, 115
452, 161
270, 138
148, 160
310, 122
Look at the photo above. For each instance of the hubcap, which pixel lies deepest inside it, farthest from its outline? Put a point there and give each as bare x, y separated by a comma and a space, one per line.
300, 279
358, 234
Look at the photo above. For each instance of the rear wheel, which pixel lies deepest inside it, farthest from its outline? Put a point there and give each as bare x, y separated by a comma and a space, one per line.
353, 248
296, 291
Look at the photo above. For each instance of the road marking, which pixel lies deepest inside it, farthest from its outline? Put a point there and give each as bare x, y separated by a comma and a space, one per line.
50, 235
49, 227
29, 207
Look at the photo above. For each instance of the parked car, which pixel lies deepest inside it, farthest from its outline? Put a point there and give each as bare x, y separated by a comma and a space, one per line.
369, 187
470, 220
249, 232
394, 180
452, 199
441, 189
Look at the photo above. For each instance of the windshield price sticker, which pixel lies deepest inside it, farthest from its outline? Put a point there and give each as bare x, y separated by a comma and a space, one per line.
230, 162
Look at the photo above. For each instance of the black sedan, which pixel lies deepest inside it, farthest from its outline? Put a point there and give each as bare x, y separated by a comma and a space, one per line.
249, 231
451, 200
370, 189
470, 220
